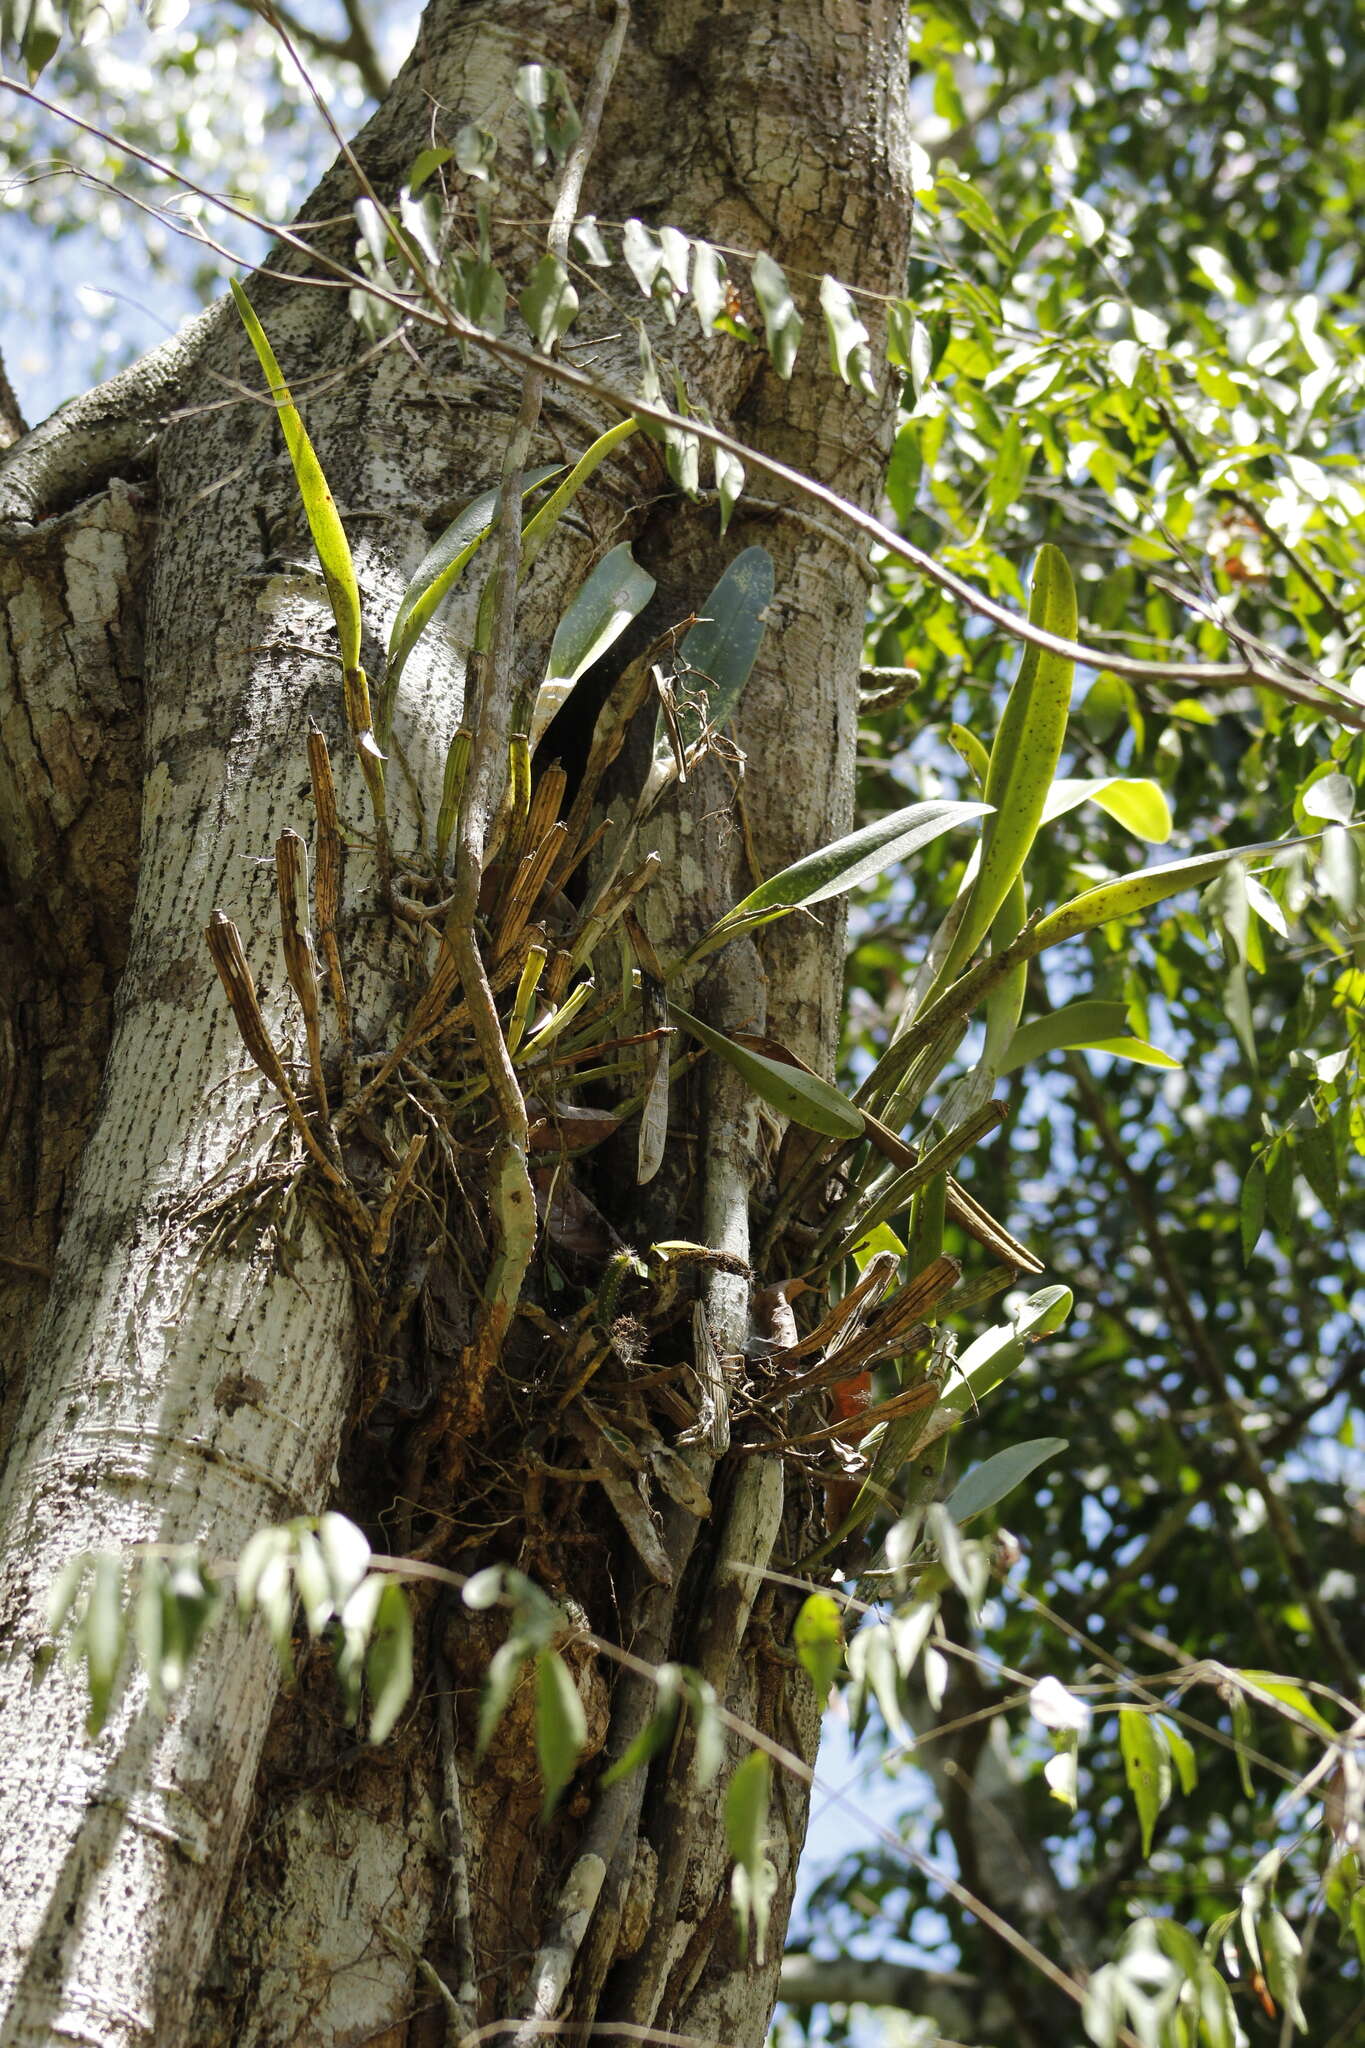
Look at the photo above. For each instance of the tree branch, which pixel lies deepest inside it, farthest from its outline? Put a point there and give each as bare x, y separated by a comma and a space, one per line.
947, 1997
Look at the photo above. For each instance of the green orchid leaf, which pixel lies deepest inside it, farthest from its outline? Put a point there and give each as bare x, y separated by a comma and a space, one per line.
803, 1098
436, 575
1134, 801
324, 521
1024, 757
842, 865
615, 591
1129, 894
1088, 1025
988, 1483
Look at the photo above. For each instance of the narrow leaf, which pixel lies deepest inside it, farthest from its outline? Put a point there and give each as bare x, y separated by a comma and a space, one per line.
615, 591
1079, 1023
1025, 754
64, 1588
438, 570
388, 1665
657, 1731
746, 1809
561, 1726
845, 864
990, 1481
818, 1639
1146, 1767
101, 1636
324, 522
1282, 1952
802, 1097
1290, 1695
997, 1352
708, 1734
546, 517
1181, 1754
1251, 1207
1139, 891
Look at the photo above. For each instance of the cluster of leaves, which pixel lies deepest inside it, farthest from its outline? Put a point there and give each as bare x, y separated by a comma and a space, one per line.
1136, 336
152, 1612
1111, 343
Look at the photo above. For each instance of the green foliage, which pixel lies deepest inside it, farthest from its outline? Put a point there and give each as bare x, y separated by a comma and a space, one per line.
561, 1725
818, 1639
754, 1879
1119, 360
1152, 378
329, 537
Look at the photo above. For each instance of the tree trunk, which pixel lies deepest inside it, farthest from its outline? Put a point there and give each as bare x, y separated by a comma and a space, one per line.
244, 1870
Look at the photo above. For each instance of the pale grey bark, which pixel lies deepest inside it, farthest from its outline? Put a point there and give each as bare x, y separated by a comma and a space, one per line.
222, 1877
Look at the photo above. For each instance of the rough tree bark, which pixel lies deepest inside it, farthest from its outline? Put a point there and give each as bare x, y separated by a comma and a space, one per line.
179, 1373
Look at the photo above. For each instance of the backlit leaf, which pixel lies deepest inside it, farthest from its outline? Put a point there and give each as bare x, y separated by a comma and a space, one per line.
1138, 803
324, 522
818, 1639
561, 1725
1147, 1768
